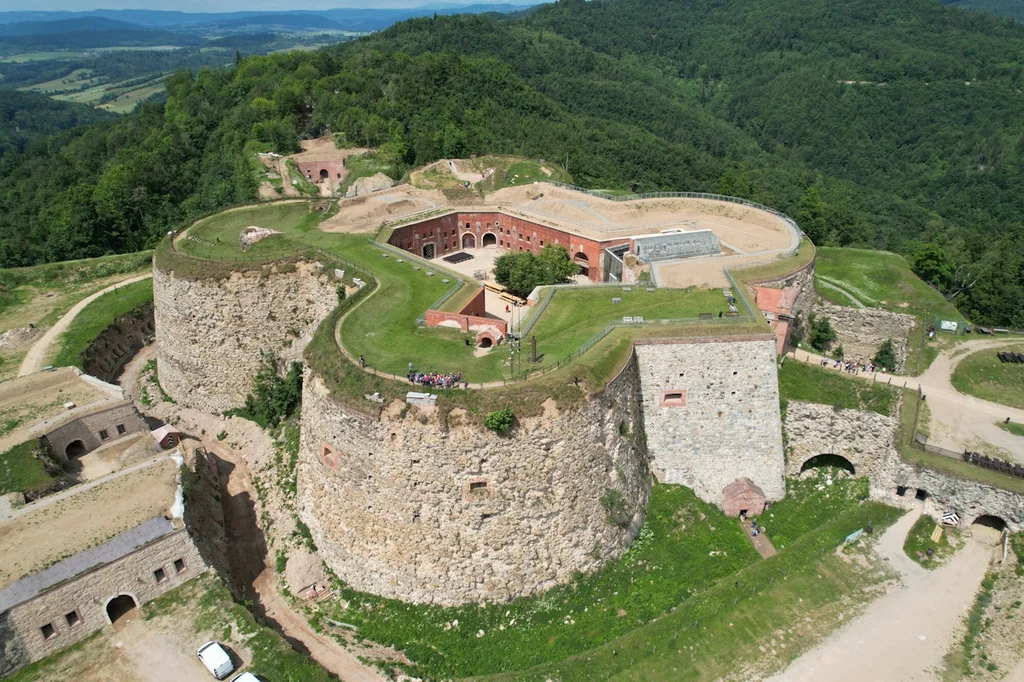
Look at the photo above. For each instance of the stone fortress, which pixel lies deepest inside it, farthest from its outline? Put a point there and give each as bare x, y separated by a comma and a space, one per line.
425, 506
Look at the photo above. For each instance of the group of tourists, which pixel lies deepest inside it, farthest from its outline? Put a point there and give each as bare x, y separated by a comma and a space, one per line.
435, 379
851, 367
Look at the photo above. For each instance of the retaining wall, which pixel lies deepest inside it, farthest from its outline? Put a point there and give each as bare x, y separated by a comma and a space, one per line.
428, 507
210, 332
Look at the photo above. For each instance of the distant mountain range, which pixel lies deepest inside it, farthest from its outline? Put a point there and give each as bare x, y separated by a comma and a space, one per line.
22, 23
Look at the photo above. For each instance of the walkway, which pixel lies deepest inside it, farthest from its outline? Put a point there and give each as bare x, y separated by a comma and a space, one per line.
36, 355
903, 636
958, 421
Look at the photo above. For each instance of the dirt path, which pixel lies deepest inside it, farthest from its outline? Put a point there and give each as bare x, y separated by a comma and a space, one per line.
155, 656
905, 634
247, 555
36, 355
958, 421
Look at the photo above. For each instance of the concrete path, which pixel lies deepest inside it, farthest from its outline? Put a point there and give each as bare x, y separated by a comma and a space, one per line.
903, 636
958, 421
36, 355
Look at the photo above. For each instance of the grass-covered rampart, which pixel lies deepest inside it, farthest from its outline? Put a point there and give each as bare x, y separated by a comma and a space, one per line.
96, 317
689, 563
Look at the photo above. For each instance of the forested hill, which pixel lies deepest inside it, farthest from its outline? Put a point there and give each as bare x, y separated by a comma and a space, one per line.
887, 125
26, 116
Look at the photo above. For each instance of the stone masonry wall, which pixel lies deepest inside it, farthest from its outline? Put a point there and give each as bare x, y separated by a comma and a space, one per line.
424, 508
210, 332
117, 344
87, 595
862, 437
861, 332
724, 425
867, 439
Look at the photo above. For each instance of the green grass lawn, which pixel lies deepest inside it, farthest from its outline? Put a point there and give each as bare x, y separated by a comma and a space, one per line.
1012, 427
688, 561
576, 315
810, 383
292, 218
363, 166
982, 375
684, 547
299, 181
879, 279
96, 317
715, 634
21, 470
919, 541
811, 501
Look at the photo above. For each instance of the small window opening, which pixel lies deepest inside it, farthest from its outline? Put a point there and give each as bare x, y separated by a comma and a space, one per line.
104, 435
120, 429
673, 396
478, 485
48, 631
179, 565
416, 517
72, 618
159, 575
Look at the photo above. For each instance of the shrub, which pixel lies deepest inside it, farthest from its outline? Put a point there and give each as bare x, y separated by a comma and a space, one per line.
886, 356
341, 292
273, 397
615, 508
501, 420
822, 334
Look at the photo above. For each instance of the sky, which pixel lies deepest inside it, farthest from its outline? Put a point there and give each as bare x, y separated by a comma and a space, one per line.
235, 5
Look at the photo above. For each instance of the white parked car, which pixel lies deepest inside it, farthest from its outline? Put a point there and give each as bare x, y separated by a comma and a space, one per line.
215, 659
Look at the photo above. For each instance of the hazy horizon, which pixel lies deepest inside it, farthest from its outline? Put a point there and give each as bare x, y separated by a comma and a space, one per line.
204, 6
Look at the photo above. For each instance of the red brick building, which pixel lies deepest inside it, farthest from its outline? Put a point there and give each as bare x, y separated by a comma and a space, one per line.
437, 237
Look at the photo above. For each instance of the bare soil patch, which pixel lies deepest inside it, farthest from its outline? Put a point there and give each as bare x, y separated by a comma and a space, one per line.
53, 530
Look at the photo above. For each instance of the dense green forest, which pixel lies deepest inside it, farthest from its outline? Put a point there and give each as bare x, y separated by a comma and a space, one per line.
1006, 8
886, 125
25, 116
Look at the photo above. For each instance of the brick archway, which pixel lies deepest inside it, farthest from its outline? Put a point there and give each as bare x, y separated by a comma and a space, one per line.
469, 241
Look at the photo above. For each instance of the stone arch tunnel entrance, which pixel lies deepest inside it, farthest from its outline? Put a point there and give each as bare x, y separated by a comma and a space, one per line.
829, 460
324, 174
120, 606
490, 239
990, 521
468, 241
584, 263
75, 448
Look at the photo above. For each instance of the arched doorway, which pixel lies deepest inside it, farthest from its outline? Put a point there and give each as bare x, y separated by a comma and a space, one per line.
486, 342
990, 521
469, 241
324, 174
581, 260
120, 606
428, 251
828, 460
490, 240
75, 448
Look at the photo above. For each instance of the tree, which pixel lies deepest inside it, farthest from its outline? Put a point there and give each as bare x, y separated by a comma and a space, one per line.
886, 356
273, 397
521, 272
822, 334
933, 265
